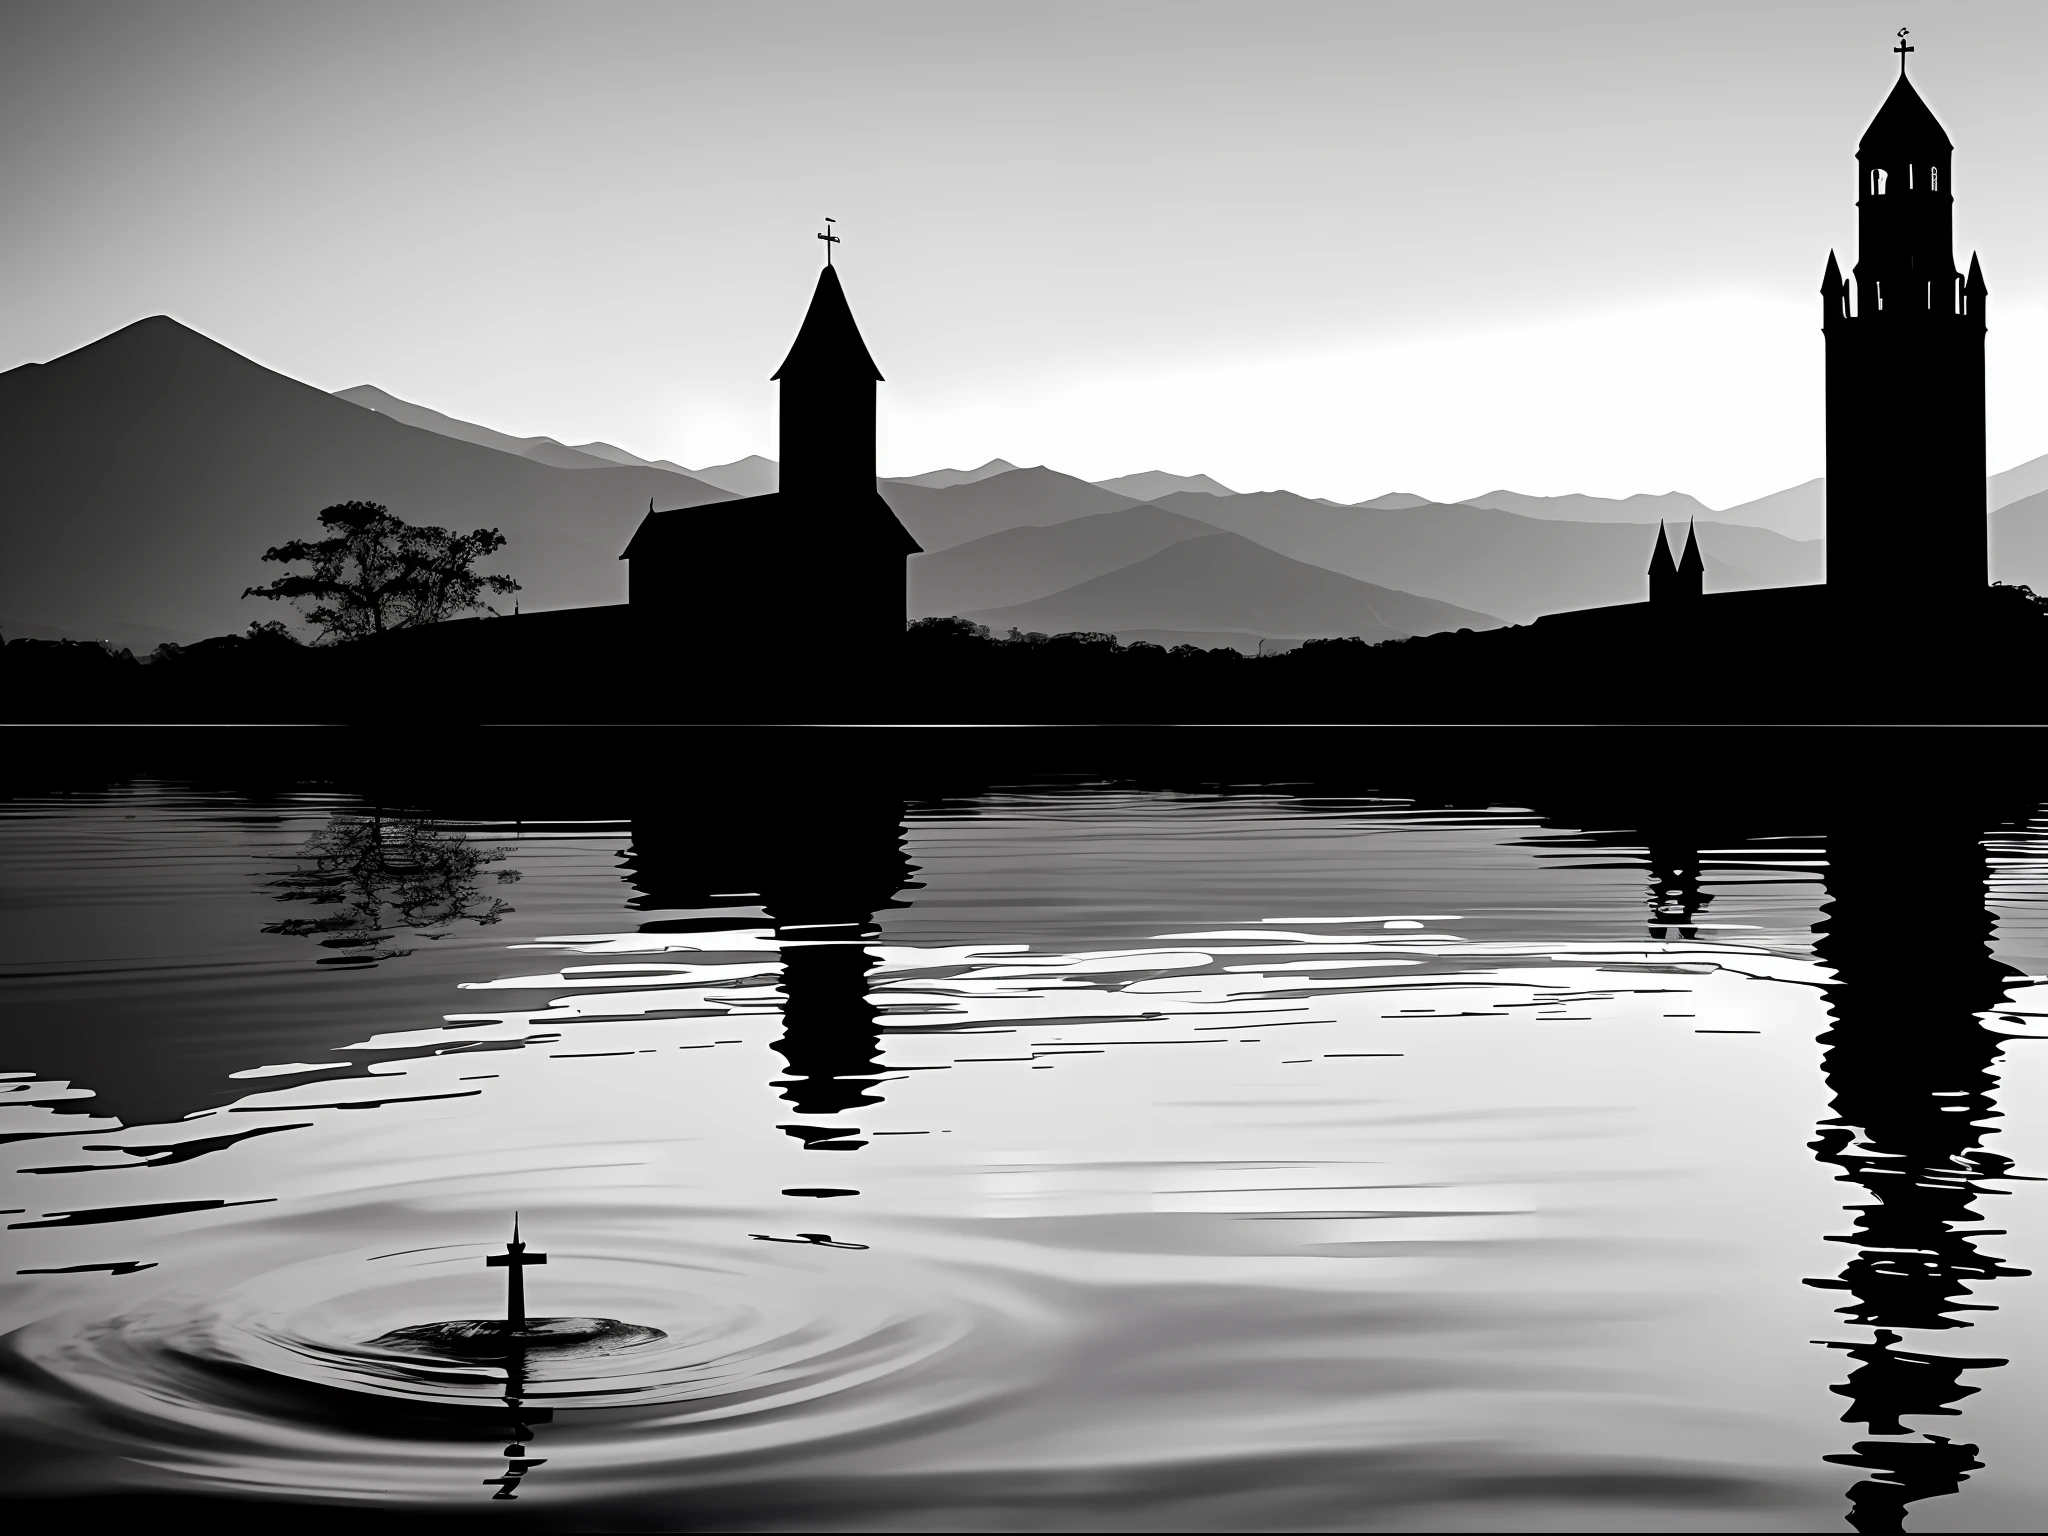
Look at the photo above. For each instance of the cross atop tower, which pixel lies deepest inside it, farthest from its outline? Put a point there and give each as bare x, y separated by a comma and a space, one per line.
514, 1260
1903, 49
830, 239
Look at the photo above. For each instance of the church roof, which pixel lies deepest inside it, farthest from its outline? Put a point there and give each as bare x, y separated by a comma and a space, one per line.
1903, 123
828, 341
716, 526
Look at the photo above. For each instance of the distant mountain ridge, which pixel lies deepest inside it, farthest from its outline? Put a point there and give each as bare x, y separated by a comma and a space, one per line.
940, 517
1151, 484
1798, 512
945, 479
143, 475
1019, 564
1224, 582
751, 476
1671, 506
542, 450
1501, 563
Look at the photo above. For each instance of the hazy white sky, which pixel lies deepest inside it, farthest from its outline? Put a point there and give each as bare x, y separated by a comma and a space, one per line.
1344, 248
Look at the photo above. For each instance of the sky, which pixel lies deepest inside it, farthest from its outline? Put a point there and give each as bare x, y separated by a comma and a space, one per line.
1338, 248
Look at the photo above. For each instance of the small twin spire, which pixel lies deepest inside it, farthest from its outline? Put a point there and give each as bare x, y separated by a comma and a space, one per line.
1675, 580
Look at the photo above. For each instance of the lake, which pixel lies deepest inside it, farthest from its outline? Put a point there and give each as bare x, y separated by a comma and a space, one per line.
1511, 1132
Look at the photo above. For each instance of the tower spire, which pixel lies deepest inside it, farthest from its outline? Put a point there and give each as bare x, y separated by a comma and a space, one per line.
1663, 569
1691, 568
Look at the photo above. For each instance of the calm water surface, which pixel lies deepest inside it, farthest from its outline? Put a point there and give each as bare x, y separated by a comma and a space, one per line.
1060, 1156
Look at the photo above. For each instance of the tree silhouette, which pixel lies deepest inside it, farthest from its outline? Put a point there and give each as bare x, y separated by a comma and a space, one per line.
376, 572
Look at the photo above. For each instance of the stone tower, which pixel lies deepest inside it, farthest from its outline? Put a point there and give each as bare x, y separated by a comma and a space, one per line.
1905, 379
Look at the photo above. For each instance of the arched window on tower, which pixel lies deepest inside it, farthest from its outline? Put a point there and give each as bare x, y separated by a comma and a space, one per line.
1934, 178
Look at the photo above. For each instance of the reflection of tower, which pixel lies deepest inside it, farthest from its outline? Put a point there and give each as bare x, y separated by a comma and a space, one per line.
822, 859
1909, 1063
1905, 376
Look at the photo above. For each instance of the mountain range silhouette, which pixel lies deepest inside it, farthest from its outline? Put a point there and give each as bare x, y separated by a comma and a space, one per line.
143, 475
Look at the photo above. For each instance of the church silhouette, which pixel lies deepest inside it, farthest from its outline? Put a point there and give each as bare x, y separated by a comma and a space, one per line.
838, 553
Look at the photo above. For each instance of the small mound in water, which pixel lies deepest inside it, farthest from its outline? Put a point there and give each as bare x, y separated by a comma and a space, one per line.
488, 1338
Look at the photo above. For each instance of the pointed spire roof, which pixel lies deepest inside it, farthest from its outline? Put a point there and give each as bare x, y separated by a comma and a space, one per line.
829, 341
1661, 562
1903, 123
1831, 280
1974, 283
1690, 561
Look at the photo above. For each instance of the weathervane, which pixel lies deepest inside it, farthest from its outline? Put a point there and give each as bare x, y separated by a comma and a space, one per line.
830, 240
1903, 49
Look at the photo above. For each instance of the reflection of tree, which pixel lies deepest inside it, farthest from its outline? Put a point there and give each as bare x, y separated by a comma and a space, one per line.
381, 874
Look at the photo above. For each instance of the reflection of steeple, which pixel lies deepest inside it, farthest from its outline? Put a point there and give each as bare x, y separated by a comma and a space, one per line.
829, 1035
822, 861
517, 1462
1910, 1066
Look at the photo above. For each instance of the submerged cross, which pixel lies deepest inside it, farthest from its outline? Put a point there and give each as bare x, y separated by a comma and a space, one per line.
1903, 49
514, 1260
830, 240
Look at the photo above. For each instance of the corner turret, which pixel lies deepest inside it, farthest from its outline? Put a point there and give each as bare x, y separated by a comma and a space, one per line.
1692, 570
1663, 569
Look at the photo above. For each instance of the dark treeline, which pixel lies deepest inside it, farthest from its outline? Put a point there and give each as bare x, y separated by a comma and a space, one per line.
586, 666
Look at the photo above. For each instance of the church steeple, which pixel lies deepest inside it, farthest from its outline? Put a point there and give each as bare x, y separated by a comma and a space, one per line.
828, 341
828, 400
836, 595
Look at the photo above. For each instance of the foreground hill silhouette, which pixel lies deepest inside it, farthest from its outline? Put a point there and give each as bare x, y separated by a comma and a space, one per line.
143, 476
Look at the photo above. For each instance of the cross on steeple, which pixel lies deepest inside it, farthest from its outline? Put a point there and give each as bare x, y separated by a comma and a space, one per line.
513, 1261
830, 239
1903, 49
